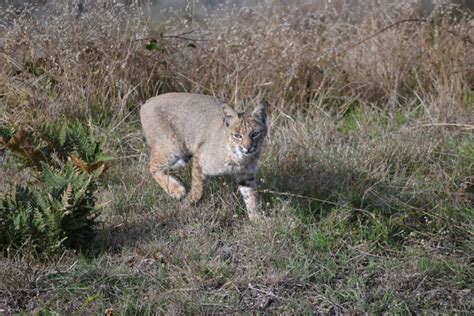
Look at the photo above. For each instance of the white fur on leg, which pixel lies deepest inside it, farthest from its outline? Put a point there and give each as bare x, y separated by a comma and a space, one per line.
250, 200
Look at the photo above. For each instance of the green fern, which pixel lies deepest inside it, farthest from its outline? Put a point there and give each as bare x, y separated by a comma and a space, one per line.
58, 209
55, 144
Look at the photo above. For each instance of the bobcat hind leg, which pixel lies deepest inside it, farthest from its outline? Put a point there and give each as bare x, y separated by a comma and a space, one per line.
159, 164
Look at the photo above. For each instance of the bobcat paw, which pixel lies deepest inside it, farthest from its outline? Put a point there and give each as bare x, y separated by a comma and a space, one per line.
178, 192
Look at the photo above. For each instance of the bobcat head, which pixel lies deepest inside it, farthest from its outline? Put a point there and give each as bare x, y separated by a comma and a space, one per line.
246, 131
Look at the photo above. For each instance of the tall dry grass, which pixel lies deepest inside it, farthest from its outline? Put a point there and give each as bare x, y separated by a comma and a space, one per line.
300, 56
71, 64
389, 56
370, 143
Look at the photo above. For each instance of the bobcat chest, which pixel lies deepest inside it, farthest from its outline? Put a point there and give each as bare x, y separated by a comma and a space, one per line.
228, 167
234, 167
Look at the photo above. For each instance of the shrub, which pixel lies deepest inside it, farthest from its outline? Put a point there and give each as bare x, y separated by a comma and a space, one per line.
57, 209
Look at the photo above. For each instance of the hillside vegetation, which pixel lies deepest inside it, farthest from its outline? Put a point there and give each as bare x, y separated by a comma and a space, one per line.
366, 178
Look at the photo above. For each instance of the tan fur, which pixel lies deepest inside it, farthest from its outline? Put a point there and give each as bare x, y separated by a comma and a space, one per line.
181, 126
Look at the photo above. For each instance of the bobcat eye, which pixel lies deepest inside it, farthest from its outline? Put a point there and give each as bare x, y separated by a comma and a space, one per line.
255, 134
237, 136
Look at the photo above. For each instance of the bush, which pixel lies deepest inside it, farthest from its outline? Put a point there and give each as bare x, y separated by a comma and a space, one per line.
57, 209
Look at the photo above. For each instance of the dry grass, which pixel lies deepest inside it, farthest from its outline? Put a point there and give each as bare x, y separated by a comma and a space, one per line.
371, 140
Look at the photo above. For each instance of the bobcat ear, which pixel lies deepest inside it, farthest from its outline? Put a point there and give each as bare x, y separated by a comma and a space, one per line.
260, 111
229, 114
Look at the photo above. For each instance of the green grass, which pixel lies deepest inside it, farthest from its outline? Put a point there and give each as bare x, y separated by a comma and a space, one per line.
346, 236
360, 183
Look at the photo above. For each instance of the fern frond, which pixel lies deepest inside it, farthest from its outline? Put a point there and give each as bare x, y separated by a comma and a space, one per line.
58, 209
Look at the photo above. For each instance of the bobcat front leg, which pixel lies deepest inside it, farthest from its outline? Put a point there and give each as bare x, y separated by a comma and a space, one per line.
198, 180
248, 189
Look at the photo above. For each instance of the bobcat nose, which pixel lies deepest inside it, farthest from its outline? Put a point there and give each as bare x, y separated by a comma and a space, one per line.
243, 149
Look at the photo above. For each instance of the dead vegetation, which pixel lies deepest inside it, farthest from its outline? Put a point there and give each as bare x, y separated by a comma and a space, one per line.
365, 175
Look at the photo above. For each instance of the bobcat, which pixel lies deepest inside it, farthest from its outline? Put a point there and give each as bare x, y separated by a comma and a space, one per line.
181, 126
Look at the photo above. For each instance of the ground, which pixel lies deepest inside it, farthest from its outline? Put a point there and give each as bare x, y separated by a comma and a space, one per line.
366, 176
